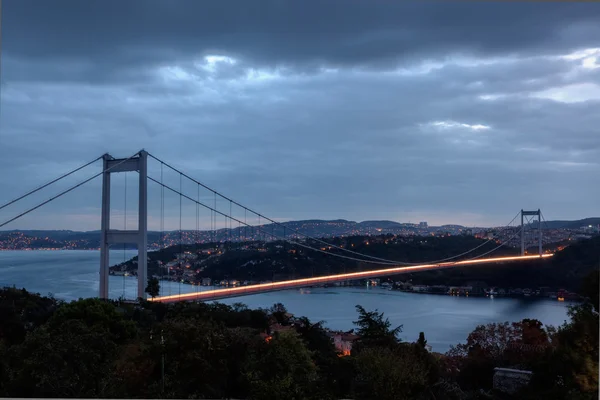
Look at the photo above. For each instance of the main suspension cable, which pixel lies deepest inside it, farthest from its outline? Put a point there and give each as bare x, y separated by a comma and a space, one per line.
303, 234
262, 230
49, 183
497, 247
66, 191
299, 243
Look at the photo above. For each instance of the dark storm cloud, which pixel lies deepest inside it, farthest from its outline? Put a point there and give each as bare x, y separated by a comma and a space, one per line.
108, 34
444, 112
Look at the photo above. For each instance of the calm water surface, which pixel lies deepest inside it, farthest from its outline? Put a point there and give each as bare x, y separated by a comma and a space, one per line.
446, 320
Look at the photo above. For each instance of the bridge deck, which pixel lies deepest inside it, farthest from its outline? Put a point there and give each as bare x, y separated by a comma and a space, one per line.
304, 282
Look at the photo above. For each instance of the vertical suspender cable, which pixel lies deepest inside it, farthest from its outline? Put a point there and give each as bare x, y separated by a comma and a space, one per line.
197, 230
162, 222
180, 231
125, 228
213, 215
162, 209
198, 217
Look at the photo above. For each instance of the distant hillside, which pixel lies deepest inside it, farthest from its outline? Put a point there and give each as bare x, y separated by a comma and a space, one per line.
573, 224
380, 224
279, 261
67, 239
565, 270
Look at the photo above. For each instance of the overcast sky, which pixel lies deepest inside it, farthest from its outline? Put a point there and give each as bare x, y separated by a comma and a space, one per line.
409, 111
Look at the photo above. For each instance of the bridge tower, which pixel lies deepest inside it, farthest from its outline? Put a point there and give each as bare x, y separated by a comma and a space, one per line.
111, 236
527, 218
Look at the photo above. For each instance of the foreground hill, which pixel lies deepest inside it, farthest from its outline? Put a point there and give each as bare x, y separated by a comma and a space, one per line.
107, 349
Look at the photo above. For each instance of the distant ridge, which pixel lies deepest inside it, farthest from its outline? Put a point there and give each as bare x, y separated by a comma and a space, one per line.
375, 224
594, 221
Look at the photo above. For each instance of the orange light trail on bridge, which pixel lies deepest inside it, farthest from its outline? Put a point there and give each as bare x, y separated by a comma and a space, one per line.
295, 283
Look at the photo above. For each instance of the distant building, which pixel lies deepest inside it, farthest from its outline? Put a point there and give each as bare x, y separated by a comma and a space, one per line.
280, 328
423, 224
460, 290
189, 273
438, 289
343, 341
206, 281
477, 287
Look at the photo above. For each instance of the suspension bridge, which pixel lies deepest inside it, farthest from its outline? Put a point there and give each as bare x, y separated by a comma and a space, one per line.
138, 163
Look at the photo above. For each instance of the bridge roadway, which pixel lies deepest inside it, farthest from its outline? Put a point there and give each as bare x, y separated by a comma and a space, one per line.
304, 282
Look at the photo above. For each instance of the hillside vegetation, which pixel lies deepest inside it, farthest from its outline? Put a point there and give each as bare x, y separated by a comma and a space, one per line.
96, 349
258, 261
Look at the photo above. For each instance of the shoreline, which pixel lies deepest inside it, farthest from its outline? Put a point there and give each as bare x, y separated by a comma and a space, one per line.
532, 298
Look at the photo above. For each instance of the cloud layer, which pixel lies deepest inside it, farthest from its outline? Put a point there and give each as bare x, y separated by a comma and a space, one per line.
450, 113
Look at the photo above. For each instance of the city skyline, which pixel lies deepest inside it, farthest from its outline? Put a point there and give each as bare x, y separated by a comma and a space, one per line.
446, 113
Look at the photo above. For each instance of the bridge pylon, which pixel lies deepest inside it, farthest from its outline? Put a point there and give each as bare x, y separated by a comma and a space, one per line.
139, 236
527, 218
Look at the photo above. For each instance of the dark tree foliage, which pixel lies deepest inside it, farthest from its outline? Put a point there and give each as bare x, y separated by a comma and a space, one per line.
374, 330
421, 341
21, 312
569, 369
279, 313
590, 285
282, 369
516, 345
406, 371
103, 349
153, 288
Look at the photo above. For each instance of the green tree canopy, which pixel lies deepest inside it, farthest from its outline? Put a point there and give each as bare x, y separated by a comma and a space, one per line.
153, 288
405, 372
421, 341
374, 330
282, 369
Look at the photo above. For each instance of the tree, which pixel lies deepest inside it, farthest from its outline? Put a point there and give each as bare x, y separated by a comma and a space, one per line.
22, 312
404, 372
71, 354
519, 344
278, 311
325, 356
374, 330
282, 369
196, 352
153, 288
570, 367
421, 341
590, 287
